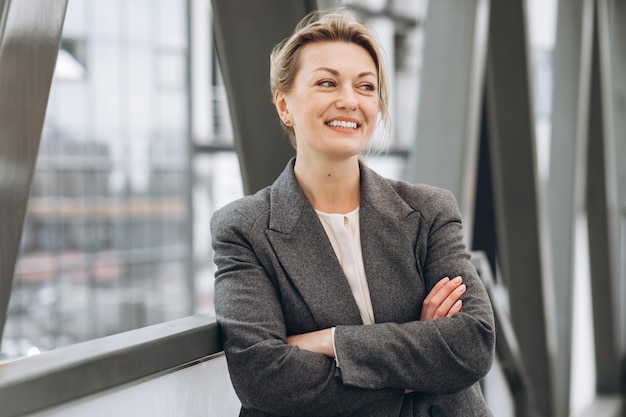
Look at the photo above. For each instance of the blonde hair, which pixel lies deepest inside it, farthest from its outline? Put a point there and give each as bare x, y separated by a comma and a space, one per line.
321, 26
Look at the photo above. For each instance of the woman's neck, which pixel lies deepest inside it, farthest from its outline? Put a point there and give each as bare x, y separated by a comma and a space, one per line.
331, 187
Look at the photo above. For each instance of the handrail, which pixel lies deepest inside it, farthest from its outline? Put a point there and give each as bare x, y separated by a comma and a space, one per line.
507, 347
59, 376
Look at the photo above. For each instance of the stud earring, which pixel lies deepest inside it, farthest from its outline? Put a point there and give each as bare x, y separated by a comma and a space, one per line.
287, 122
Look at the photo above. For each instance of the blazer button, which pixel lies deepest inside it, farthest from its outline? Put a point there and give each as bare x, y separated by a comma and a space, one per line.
436, 411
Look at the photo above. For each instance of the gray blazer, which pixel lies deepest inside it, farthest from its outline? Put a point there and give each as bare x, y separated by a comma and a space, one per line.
277, 275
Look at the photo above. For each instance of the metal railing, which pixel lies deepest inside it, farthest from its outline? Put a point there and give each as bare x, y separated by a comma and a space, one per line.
56, 377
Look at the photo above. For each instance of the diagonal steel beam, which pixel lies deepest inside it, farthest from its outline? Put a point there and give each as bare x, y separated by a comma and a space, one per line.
602, 212
520, 216
445, 150
618, 72
565, 197
30, 33
262, 146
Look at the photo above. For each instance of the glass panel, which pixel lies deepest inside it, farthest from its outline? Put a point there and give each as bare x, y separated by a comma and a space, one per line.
104, 17
217, 181
106, 242
542, 33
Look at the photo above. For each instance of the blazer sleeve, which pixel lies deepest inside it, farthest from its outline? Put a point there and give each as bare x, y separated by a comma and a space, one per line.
437, 356
268, 374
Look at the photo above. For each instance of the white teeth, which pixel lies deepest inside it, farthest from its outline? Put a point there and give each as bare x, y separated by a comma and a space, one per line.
342, 124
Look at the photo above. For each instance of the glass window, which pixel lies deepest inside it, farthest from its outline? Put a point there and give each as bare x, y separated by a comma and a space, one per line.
106, 244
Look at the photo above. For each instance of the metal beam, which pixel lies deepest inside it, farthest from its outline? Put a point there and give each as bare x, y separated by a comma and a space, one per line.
519, 211
565, 197
618, 76
30, 33
445, 151
245, 33
602, 212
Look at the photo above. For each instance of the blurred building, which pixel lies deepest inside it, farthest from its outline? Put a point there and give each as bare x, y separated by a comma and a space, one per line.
107, 238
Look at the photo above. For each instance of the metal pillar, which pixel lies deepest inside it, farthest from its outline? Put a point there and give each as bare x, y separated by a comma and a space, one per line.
245, 33
602, 212
617, 14
30, 33
565, 197
520, 218
618, 75
445, 152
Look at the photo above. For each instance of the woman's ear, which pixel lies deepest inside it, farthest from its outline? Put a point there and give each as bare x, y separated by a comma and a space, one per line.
281, 105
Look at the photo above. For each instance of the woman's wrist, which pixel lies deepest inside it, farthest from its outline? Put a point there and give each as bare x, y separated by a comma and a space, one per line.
320, 341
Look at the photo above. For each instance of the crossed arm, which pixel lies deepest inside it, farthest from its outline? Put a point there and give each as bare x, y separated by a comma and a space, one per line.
444, 300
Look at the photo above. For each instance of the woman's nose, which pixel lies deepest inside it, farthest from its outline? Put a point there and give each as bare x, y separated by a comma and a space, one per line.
347, 99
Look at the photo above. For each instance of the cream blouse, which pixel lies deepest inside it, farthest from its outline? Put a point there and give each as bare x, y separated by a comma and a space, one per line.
344, 235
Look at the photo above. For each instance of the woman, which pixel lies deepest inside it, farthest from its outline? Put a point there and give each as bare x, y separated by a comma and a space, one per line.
339, 292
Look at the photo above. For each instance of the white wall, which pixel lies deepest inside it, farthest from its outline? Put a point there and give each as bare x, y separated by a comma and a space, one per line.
202, 390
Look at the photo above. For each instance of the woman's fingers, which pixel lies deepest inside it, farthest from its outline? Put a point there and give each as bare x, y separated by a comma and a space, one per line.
444, 299
456, 307
449, 304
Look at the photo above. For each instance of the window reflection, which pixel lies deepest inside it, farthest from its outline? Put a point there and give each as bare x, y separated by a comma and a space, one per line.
106, 241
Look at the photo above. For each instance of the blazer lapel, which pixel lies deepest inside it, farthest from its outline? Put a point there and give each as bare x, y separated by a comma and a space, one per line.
388, 230
305, 253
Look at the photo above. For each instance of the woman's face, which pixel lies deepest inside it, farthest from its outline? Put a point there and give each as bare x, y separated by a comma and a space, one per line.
333, 105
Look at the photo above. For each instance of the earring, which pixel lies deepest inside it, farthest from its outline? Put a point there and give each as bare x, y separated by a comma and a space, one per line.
287, 122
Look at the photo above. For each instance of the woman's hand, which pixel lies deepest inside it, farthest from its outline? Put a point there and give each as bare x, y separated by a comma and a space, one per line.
320, 341
444, 300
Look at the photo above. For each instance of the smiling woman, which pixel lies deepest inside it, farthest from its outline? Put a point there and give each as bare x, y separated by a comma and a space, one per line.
338, 291
332, 106
286, 59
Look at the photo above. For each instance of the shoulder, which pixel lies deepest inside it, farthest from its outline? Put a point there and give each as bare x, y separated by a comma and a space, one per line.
397, 198
430, 201
422, 195
242, 213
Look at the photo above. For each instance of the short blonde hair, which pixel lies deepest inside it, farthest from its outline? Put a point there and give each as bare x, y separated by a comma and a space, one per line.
320, 26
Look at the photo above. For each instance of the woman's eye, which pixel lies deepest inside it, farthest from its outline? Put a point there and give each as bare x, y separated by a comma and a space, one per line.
367, 87
326, 83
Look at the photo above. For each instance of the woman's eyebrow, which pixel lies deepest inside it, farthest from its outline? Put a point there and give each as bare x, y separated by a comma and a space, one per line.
332, 71
335, 72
